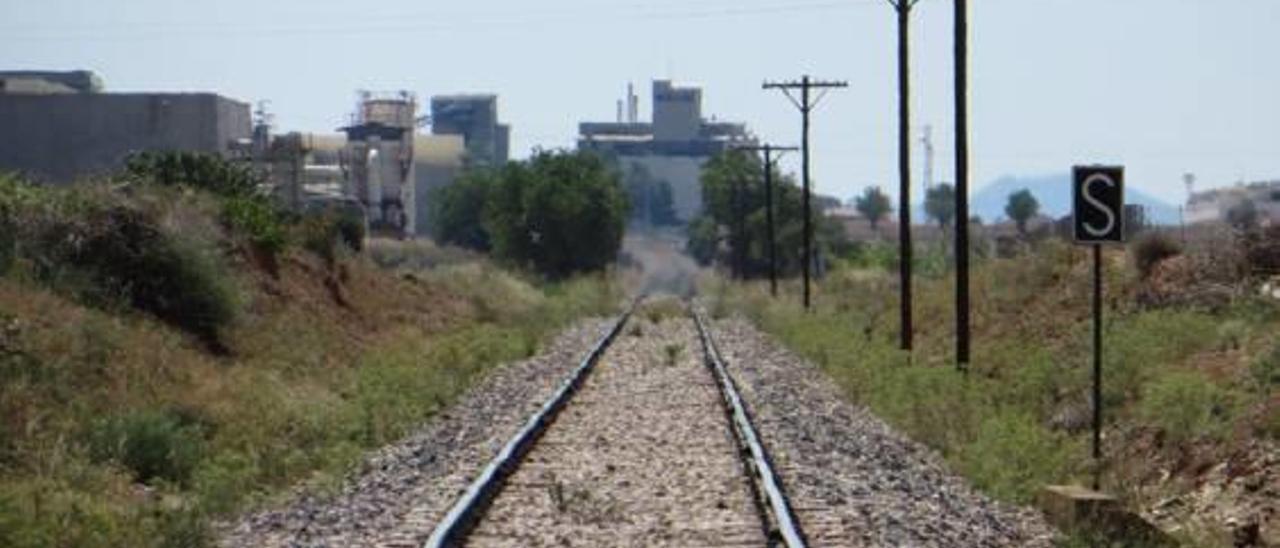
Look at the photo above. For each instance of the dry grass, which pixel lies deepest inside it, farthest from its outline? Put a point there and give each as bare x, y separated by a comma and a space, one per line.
1019, 419
117, 429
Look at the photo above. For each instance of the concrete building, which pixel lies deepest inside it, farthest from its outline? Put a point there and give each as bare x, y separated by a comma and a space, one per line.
59, 127
672, 148
475, 118
1213, 205
378, 158
39, 81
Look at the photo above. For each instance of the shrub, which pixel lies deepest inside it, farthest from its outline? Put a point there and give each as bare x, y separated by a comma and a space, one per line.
1186, 405
152, 444
128, 258
1012, 456
1265, 369
1152, 248
207, 172
258, 219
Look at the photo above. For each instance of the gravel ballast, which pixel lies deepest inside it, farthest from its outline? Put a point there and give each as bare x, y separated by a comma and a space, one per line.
401, 490
852, 479
642, 456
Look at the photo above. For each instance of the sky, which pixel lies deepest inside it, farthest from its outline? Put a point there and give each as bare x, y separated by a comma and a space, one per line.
1164, 87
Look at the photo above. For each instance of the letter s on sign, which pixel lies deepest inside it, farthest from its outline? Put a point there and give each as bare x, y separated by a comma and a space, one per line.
1111, 216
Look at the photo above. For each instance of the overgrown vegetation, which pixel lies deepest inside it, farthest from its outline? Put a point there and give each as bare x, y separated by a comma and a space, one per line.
1020, 418
116, 429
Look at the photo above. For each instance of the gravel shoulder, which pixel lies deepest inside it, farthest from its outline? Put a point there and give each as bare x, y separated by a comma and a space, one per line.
852, 479
401, 490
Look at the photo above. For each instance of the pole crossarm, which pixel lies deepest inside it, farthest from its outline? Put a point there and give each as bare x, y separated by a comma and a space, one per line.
823, 86
903, 4
805, 84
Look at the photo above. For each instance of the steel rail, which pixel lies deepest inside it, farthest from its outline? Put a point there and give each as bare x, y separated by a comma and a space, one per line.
788, 527
464, 513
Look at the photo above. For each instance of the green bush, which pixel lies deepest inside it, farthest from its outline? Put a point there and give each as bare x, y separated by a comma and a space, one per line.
152, 444
1012, 457
202, 171
128, 258
259, 220
1186, 405
1265, 368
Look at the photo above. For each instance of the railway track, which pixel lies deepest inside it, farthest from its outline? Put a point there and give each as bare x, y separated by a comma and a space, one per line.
647, 442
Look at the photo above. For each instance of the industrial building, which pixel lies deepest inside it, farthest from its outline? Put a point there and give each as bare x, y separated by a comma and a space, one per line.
60, 126
672, 148
475, 118
379, 163
1215, 205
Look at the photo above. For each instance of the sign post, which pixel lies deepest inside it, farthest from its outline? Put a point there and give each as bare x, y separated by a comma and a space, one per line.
1098, 217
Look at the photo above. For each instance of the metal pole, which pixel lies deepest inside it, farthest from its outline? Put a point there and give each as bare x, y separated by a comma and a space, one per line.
1097, 364
962, 183
904, 173
768, 208
804, 163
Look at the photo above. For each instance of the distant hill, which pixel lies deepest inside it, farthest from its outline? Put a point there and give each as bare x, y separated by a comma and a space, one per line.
1054, 195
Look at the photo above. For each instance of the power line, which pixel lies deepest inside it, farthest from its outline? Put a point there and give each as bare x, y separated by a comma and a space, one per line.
421, 22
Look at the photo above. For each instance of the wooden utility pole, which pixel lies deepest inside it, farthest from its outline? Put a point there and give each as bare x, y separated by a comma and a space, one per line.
903, 7
962, 183
769, 161
805, 104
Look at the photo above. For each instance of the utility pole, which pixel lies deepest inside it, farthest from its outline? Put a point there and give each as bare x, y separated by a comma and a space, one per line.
805, 104
740, 227
769, 161
903, 7
962, 182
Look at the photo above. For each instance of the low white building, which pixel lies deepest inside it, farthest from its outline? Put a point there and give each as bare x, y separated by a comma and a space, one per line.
1214, 205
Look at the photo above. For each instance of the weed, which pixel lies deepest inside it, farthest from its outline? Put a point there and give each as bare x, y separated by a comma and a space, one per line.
152, 444
672, 353
1265, 368
1232, 335
660, 310
1186, 405
1012, 457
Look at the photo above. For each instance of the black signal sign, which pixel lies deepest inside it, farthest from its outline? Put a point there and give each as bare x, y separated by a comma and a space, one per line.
1098, 193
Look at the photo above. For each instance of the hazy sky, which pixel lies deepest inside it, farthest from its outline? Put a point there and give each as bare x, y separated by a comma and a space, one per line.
1163, 86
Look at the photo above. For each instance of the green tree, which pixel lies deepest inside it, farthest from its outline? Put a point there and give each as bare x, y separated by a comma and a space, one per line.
940, 204
457, 210
734, 216
1022, 206
874, 205
559, 213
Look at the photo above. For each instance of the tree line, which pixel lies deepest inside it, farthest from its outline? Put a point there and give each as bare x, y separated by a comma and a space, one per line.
557, 213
